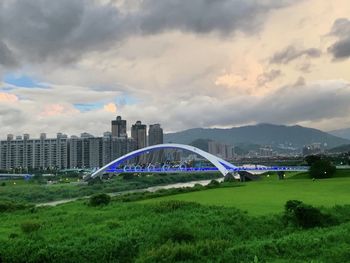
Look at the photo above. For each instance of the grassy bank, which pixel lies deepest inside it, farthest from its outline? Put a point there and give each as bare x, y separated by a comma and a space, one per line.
269, 195
37, 192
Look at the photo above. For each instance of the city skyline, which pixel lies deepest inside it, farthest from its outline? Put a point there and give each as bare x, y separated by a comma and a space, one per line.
74, 65
86, 151
121, 130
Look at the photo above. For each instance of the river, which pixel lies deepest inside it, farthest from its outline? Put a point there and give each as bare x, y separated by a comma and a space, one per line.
148, 189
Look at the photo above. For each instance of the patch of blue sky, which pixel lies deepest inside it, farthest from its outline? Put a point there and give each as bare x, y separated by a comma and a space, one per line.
84, 107
21, 81
126, 100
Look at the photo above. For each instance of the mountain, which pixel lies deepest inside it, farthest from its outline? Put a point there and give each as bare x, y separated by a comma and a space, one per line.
263, 134
343, 133
201, 144
340, 149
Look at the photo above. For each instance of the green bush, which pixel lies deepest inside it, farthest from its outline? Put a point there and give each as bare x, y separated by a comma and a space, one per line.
94, 181
113, 224
306, 216
172, 205
213, 183
177, 232
31, 226
8, 206
99, 200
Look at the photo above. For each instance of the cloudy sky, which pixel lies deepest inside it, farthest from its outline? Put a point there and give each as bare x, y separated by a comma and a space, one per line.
73, 65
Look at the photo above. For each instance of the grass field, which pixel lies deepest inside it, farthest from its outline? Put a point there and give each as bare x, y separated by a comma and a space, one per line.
269, 195
153, 231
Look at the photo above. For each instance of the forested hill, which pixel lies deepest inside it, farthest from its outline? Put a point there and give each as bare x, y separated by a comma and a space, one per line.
263, 134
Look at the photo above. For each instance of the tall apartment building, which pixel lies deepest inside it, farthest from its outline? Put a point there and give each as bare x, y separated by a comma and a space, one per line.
221, 150
93, 152
119, 127
29, 153
155, 134
85, 151
139, 134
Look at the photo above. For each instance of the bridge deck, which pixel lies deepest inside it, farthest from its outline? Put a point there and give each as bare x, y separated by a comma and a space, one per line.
202, 169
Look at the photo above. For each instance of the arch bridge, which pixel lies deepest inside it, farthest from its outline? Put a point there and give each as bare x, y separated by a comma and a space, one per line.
219, 164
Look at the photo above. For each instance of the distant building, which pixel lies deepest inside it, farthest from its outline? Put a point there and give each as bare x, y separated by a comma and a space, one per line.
221, 150
155, 134
139, 134
314, 148
26, 153
86, 151
119, 127
94, 152
266, 151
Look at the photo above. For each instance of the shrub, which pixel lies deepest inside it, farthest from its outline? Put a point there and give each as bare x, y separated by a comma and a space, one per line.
128, 176
213, 183
12, 236
291, 205
172, 205
112, 224
28, 227
306, 216
96, 180
8, 206
3, 184
176, 233
99, 200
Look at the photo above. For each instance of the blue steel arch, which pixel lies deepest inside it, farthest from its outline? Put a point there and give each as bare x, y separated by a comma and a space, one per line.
223, 166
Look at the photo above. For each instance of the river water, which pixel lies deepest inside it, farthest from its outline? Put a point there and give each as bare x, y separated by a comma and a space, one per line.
148, 189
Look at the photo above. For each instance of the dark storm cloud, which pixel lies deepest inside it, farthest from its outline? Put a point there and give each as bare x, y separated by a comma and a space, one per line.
330, 99
341, 30
291, 53
205, 16
6, 56
292, 104
62, 31
59, 30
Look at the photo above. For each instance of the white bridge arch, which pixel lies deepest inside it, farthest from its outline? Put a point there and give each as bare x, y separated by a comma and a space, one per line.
223, 166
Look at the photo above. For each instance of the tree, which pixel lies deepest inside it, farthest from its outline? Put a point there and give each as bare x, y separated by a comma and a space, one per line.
322, 169
311, 159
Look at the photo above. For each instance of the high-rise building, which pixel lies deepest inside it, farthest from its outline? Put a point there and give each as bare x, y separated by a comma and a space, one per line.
139, 134
221, 150
155, 134
119, 127
85, 151
26, 153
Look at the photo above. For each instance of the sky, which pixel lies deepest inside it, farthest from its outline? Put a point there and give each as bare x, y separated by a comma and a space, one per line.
71, 66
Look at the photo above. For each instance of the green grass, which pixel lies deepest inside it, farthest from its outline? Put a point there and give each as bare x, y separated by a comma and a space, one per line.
269, 195
154, 231
35, 192
164, 232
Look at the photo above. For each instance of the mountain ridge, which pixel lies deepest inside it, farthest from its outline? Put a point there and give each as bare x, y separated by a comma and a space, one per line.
342, 133
263, 134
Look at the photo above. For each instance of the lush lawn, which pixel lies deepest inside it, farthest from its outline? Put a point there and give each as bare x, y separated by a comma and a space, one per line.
270, 194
